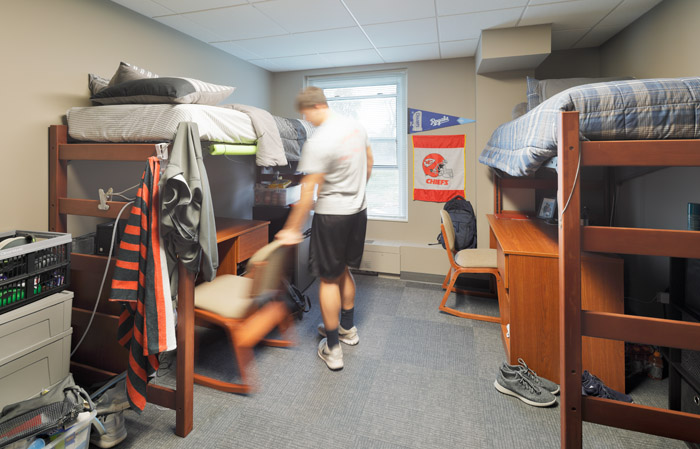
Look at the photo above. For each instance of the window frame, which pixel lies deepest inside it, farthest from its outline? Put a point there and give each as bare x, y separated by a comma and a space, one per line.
358, 79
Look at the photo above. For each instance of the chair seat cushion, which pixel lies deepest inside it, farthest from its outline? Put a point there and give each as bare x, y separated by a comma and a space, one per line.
477, 258
227, 295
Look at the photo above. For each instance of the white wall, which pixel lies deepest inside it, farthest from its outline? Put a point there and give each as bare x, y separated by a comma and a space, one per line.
48, 48
663, 43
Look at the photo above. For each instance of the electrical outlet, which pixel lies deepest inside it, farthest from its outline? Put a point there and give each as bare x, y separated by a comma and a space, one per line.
663, 297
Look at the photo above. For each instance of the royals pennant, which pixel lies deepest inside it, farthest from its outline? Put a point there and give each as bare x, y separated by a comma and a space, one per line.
438, 167
419, 120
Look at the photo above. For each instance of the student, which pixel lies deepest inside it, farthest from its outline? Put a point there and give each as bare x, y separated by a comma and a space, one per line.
338, 159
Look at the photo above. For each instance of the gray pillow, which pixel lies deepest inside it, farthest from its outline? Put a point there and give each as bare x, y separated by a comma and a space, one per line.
541, 90
96, 83
127, 72
163, 90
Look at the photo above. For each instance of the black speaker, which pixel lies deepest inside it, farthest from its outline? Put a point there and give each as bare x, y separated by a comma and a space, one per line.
103, 236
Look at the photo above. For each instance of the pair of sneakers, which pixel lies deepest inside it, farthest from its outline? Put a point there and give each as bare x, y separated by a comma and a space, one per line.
521, 382
334, 356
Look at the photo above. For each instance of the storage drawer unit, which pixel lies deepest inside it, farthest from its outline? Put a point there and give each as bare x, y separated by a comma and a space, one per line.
37, 367
34, 323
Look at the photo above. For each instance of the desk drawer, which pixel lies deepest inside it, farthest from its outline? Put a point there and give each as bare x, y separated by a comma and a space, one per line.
502, 265
250, 242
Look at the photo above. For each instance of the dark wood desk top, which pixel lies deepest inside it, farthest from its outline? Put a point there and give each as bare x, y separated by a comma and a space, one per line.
228, 228
530, 237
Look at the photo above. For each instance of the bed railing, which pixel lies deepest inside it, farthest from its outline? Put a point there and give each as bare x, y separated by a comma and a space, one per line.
575, 323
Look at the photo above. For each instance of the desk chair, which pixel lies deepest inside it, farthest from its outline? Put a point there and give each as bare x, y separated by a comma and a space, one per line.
248, 308
466, 261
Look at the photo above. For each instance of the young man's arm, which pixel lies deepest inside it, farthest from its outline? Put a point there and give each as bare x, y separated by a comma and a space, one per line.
291, 233
370, 161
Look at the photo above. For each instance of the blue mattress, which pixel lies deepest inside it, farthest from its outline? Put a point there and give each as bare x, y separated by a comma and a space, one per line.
617, 110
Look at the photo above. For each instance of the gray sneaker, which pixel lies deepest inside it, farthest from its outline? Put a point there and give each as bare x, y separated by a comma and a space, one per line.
516, 384
332, 357
530, 374
349, 336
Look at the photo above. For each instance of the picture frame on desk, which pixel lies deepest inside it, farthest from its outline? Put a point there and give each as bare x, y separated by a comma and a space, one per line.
547, 209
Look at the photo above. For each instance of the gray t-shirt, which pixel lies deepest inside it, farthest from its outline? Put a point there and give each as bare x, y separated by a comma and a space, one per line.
338, 148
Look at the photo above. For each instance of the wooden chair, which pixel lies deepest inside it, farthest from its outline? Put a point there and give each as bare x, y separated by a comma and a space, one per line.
466, 261
248, 308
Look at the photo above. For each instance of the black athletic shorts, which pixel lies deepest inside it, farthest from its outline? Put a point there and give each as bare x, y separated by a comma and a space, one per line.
337, 241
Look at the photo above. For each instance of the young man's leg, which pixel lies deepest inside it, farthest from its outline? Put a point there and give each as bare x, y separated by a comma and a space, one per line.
347, 298
330, 300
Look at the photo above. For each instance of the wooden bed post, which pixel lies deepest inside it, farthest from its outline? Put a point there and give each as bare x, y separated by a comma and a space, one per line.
58, 184
185, 352
569, 199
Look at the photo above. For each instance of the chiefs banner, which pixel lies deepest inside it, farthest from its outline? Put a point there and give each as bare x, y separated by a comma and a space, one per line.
438, 167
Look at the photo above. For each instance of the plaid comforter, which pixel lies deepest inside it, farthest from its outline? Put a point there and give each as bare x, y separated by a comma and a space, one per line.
616, 110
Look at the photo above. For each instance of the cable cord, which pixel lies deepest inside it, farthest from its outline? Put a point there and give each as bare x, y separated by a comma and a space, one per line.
573, 187
104, 277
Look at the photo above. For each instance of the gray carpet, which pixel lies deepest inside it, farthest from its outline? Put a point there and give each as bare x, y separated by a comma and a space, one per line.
418, 379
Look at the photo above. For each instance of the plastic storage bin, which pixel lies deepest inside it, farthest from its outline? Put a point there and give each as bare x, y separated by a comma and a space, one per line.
265, 196
77, 436
35, 270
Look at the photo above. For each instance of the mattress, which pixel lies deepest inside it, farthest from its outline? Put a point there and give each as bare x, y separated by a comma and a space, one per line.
158, 123
618, 110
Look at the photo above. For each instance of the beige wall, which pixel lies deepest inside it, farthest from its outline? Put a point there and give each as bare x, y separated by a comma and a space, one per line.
48, 48
446, 86
663, 43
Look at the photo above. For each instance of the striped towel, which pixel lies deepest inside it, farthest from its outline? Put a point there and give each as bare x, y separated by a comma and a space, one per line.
141, 285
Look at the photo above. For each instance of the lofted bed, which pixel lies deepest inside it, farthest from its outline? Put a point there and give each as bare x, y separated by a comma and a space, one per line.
644, 124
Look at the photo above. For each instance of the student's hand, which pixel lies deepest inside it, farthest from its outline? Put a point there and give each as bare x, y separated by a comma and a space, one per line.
289, 237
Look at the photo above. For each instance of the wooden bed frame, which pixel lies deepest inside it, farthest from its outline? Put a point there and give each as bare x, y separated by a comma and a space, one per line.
89, 268
575, 323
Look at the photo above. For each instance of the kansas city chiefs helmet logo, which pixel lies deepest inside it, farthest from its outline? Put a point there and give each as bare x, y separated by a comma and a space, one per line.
434, 166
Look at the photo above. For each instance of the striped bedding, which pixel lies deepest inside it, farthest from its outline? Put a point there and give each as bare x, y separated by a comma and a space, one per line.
616, 110
158, 123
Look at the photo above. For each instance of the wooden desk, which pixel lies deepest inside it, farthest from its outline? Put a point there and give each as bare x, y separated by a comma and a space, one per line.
101, 356
529, 299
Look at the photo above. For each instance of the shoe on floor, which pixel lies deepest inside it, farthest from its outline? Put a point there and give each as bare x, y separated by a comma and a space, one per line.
332, 357
349, 336
530, 374
516, 384
114, 431
592, 386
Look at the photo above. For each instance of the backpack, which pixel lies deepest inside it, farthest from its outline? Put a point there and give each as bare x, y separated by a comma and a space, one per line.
464, 222
298, 302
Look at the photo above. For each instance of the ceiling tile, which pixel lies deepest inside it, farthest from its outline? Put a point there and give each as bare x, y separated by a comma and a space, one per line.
266, 64
298, 16
301, 62
568, 15
238, 22
469, 26
184, 25
411, 53
199, 5
411, 32
628, 12
236, 50
145, 7
342, 39
597, 36
278, 46
448, 7
563, 40
458, 49
355, 57
373, 11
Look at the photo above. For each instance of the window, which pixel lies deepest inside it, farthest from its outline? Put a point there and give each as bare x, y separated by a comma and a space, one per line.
377, 100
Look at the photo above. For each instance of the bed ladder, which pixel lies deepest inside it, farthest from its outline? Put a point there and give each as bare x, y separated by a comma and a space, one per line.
575, 323
61, 152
